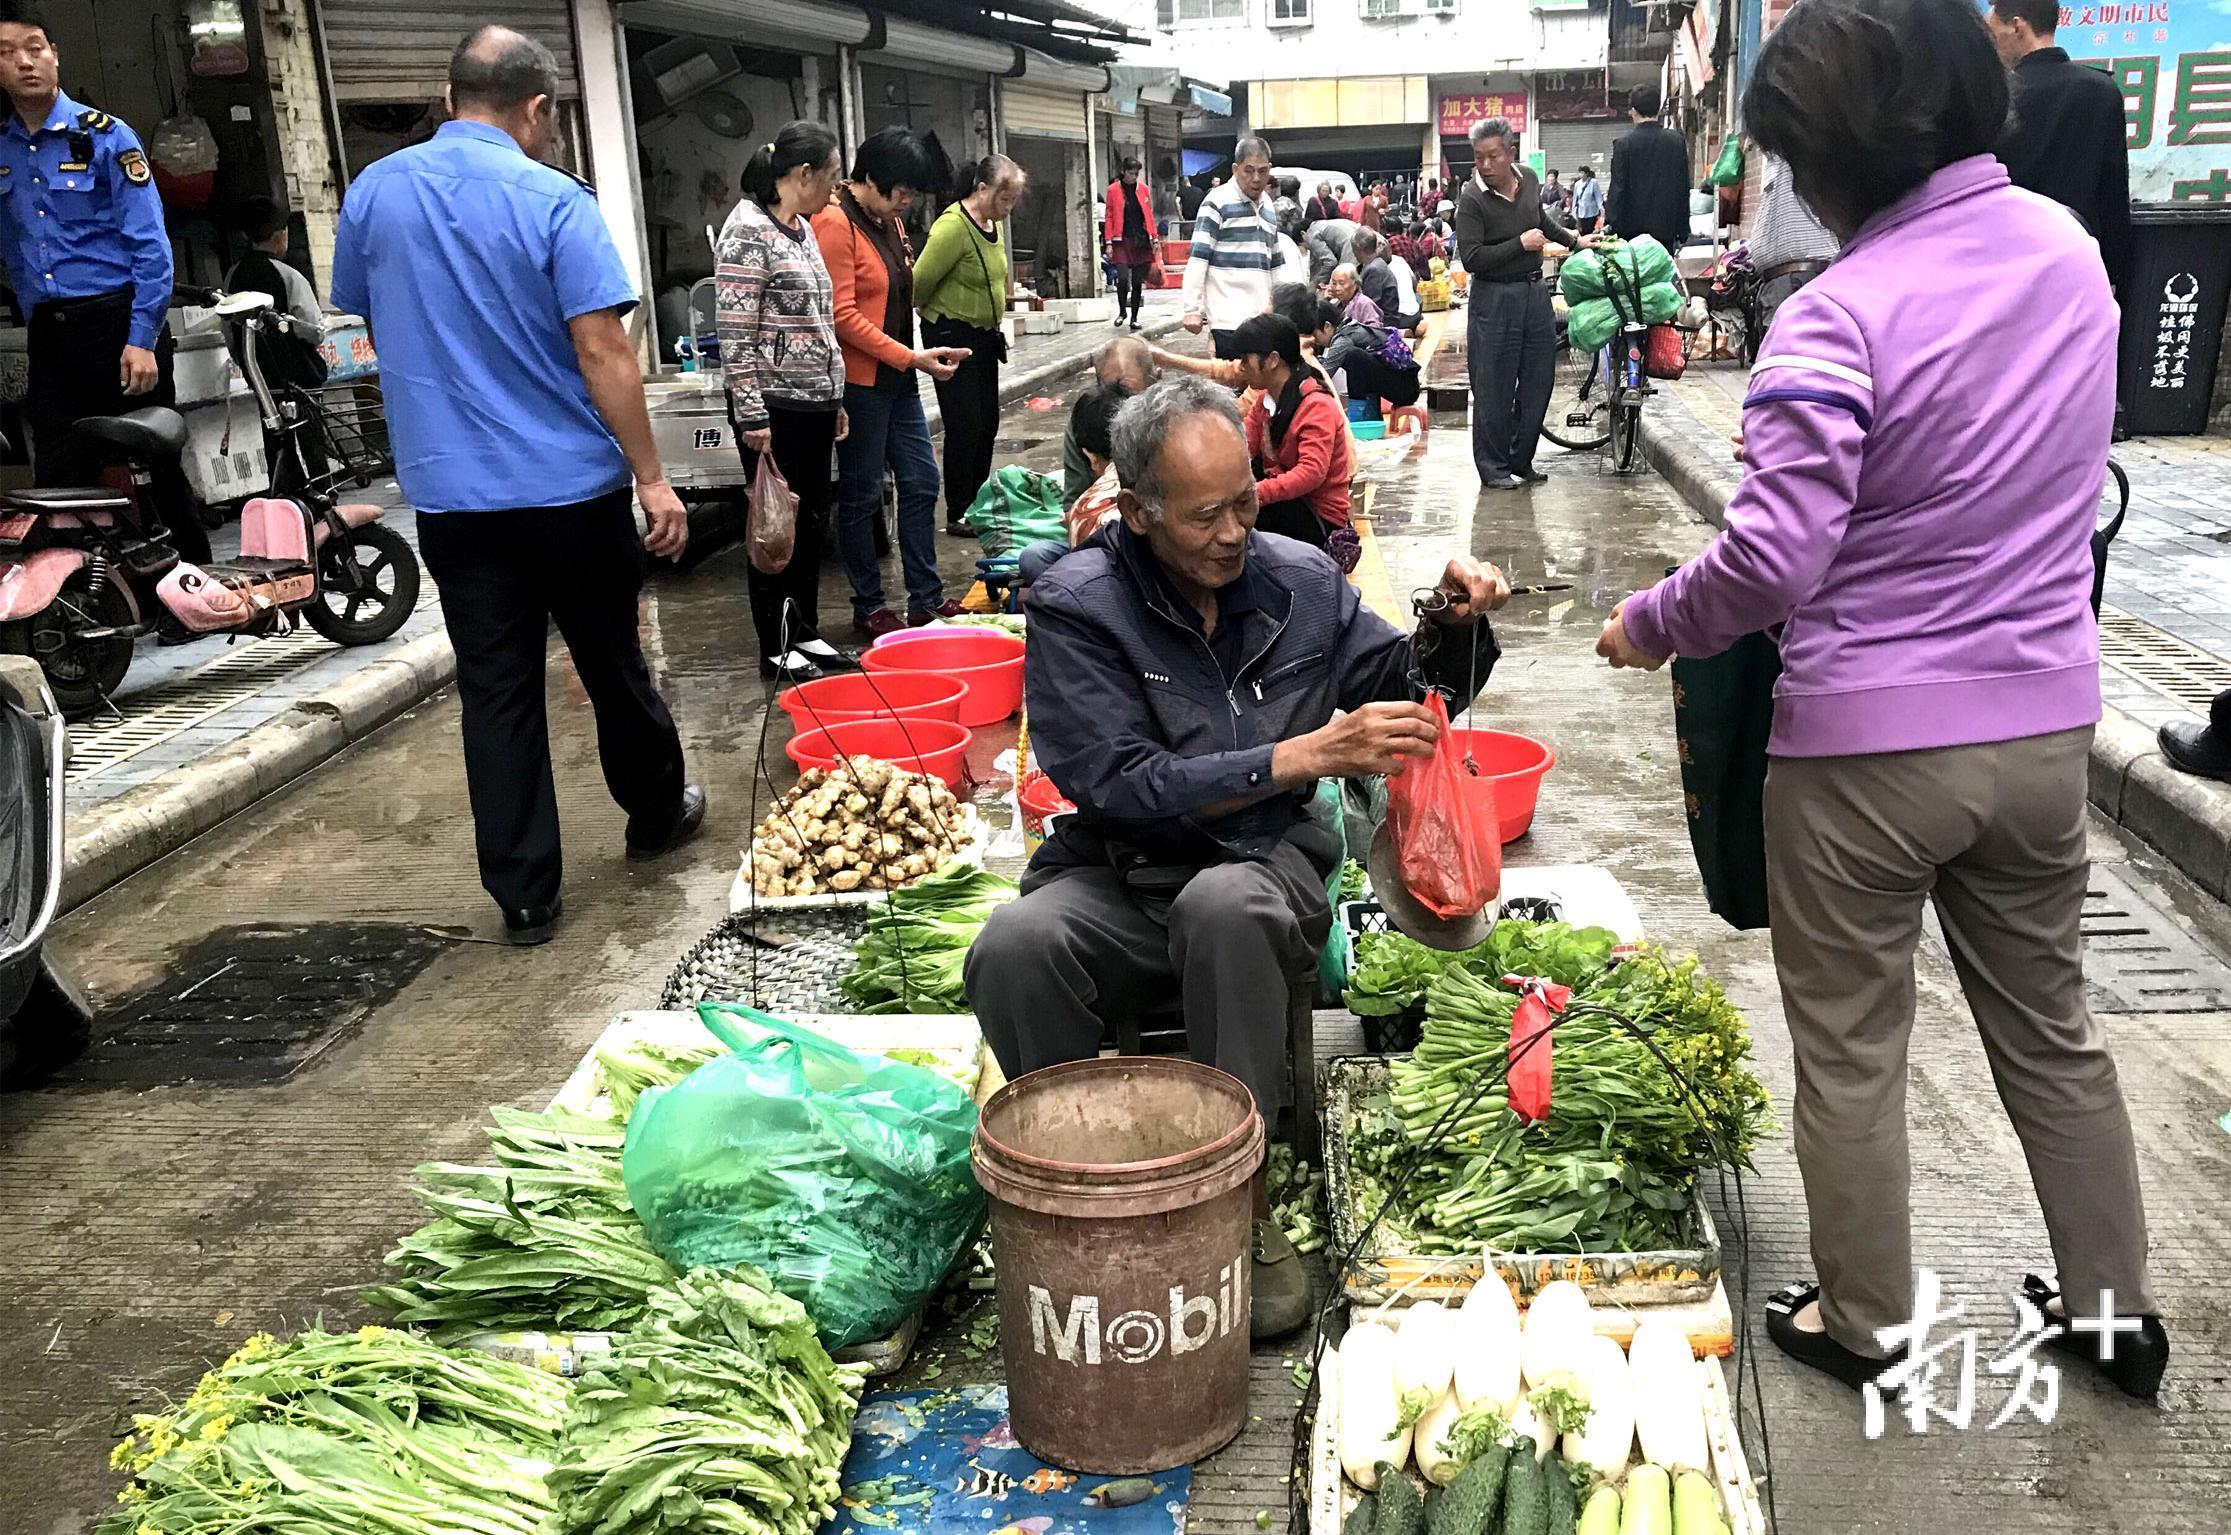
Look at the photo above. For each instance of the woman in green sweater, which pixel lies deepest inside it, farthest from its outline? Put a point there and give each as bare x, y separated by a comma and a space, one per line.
960, 282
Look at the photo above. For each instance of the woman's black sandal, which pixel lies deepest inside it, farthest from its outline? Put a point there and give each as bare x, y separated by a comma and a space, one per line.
1818, 1349
2139, 1357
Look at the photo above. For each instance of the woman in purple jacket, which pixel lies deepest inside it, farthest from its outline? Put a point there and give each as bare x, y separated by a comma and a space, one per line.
1926, 433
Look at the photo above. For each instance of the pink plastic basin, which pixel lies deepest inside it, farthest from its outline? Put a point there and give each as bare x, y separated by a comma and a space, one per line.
921, 746
990, 663
1516, 764
894, 695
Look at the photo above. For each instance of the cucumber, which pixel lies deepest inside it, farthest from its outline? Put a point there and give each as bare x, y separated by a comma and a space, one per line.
1360, 1521
1469, 1506
1646, 1508
1557, 1483
1601, 1516
1525, 1498
1696, 1506
1401, 1511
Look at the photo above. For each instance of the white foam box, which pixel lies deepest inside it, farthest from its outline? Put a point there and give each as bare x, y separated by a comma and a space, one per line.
1083, 311
1041, 322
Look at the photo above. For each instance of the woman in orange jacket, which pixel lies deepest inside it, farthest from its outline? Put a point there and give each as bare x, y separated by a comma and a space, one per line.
871, 282
1298, 436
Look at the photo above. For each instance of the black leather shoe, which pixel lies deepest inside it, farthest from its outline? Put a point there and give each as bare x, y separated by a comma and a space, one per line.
1818, 1349
1533, 476
2140, 1359
830, 658
527, 926
955, 529
688, 821
795, 667
2196, 749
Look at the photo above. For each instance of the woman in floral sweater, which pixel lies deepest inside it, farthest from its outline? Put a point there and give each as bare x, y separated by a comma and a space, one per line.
785, 376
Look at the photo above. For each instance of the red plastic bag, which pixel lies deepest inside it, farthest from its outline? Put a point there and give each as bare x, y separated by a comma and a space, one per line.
773, 531
1527, 1085
1449, 857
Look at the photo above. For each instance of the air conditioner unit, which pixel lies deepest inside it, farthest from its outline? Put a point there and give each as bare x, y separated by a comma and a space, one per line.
673, 72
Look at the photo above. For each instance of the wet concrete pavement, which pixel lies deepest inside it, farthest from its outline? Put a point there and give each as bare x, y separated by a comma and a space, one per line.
149, 1226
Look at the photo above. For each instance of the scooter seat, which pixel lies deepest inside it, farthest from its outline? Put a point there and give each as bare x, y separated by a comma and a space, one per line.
252, 570
76, 498
153, 432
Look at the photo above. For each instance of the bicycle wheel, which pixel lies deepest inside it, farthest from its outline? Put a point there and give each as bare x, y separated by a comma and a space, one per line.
1579, 402
1626, 435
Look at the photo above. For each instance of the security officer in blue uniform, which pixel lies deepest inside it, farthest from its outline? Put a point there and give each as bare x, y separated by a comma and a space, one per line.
81, 235
515, 406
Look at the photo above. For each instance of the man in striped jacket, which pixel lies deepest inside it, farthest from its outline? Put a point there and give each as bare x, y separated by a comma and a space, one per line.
1234, 260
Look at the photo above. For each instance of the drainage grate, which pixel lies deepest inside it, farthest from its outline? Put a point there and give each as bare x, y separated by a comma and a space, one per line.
152, 717
2137, 959
2160, 660
255, 1004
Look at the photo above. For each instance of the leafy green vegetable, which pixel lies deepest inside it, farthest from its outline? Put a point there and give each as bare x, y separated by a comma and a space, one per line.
374, 1432
720, 1413
909, 959
1355, 881
1394, 972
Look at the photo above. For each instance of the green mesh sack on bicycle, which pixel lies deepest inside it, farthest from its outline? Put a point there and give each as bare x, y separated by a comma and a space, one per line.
1581, 277
844, 1176
1017, 506
1590, 324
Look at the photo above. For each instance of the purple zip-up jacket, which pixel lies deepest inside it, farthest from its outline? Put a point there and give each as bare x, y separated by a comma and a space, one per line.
1927, 430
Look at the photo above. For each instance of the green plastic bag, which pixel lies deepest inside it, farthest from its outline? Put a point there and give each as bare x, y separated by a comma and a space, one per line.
1592, 323
1727, 171
1639, 263
1017, 506
844, 1176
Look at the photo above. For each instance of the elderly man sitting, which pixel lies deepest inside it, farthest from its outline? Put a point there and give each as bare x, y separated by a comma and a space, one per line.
1190, 680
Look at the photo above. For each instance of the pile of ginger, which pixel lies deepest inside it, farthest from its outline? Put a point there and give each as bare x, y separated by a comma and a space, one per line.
864, 826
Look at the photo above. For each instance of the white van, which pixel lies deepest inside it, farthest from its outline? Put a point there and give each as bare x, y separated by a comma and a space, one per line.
1343, 184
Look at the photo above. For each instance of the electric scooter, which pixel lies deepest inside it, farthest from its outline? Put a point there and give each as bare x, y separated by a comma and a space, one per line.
44, 1021
85, 571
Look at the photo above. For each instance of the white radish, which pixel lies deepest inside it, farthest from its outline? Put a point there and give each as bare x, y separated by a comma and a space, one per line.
1524, 1425
1559, 1324
1668, 1397
1603, 1445
1424, 1353
1487, 1347
1370, 1414
1435, 1460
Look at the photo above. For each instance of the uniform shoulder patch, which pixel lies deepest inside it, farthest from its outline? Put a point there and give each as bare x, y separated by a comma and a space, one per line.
133, 163
95, 120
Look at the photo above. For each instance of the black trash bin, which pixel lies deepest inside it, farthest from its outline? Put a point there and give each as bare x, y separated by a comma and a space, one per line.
2180, 273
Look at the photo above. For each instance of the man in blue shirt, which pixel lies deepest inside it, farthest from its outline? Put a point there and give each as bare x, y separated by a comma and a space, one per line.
515, 405
81, 235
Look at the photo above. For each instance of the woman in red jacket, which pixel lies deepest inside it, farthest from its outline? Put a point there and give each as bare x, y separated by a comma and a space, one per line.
1298, 436
1133, 243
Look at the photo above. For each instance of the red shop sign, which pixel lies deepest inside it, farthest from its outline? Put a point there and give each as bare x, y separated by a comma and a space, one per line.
1458, 113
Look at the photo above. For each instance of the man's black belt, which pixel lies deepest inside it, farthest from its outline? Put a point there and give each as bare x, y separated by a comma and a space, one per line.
62, 306
1529, 277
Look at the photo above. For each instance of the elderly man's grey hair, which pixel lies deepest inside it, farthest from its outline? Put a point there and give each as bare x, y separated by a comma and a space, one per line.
1365, 245
1143, 425
1495, 127
1252, 147
1346, 269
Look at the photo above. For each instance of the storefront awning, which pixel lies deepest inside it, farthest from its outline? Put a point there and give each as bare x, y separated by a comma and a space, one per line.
1214, 102
1158, 85
803, 26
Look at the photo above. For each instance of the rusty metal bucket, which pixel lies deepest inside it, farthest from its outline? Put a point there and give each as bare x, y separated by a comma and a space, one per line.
1120, 1204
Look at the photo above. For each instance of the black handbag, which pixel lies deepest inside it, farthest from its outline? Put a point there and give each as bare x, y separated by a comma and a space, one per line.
2102, 537
1723, 713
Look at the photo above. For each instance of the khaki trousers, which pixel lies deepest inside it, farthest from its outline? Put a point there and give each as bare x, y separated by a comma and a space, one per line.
1994, 835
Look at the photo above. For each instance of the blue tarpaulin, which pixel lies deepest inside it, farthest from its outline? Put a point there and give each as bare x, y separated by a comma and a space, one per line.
1199, 160
943, 1462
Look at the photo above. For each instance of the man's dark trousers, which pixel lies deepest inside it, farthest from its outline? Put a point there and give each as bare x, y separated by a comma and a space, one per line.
75, 349
1510, 350
1077, 953
505, 576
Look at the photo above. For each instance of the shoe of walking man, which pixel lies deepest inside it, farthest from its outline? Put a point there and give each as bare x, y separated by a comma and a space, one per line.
2202, 750
515, 405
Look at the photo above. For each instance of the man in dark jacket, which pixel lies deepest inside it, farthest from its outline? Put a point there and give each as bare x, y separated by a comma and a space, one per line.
1183, 679
2065, 137
1649, 176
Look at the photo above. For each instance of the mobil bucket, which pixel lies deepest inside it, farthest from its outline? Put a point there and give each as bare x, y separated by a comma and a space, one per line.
1120, 1202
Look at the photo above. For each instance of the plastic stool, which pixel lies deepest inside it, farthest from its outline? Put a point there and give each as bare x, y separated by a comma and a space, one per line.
998, 572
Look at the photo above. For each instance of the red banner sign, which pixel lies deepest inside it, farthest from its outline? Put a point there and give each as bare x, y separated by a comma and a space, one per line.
1458, 113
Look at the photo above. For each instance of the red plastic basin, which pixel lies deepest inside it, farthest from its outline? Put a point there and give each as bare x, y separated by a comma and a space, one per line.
894, 695
921, 746
1517, 764
990, 663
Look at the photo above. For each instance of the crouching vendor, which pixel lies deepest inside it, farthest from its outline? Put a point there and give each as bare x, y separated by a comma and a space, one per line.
1186, 677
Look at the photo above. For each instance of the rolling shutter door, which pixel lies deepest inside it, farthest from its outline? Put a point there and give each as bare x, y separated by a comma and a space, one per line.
1042, 112
398, 50
1566, 147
